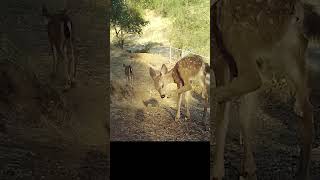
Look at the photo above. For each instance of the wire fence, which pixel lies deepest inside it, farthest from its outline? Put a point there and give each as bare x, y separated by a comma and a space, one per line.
174, 54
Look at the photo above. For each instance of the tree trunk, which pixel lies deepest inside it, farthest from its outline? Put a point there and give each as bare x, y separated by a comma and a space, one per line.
121, 39
122, 43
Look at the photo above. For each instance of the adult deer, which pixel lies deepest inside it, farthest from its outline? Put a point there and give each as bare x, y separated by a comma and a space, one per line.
187, 69
260, 37
60, 34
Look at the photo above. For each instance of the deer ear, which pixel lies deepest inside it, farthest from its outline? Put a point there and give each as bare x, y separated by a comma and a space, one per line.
152, 72
164, 69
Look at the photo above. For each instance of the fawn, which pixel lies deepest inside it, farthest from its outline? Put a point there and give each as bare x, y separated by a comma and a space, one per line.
281, 43
187, 69
128, 71
60, 34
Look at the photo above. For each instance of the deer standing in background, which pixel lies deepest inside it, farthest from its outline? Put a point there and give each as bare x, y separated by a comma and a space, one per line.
128, 71
60, 34
187, 69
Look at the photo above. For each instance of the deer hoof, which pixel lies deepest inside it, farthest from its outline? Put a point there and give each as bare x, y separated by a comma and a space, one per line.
177, 118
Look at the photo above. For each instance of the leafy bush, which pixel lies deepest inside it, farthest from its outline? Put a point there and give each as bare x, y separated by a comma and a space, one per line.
125, 20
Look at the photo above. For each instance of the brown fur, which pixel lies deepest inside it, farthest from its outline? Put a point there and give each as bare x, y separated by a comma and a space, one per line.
60, 34
128, 71
250, 30
187, 69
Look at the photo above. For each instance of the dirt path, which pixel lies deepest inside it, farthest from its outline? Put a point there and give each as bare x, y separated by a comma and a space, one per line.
77, 148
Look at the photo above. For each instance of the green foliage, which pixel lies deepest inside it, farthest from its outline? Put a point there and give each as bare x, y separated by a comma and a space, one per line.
191, 27
191, 22
125, 20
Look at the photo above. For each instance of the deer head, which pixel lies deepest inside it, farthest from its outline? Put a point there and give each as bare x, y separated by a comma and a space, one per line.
162, 80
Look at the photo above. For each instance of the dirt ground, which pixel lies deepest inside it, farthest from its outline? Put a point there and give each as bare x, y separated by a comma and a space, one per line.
61, 135
276, 131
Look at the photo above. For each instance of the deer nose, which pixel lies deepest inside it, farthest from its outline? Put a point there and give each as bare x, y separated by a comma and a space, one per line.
163, 96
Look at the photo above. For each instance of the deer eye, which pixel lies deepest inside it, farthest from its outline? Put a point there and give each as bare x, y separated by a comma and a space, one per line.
162, 86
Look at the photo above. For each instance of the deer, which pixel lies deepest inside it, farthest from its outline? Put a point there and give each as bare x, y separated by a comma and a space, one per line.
60, 35
128, 71
249, 40
189, 68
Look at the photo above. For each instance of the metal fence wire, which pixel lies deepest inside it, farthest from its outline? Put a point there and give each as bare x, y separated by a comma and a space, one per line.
174, 54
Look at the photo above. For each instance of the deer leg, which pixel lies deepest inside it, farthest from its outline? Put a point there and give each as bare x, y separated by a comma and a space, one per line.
187, 99
128, 80
66, 65
72, 62
222, 122
297, 73
185, 88
132, 80
247, 111
247, 81
177, 118
54, 65
206, 105
204, 95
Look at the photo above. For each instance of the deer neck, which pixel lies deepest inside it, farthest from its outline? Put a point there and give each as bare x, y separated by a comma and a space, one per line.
169, 77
